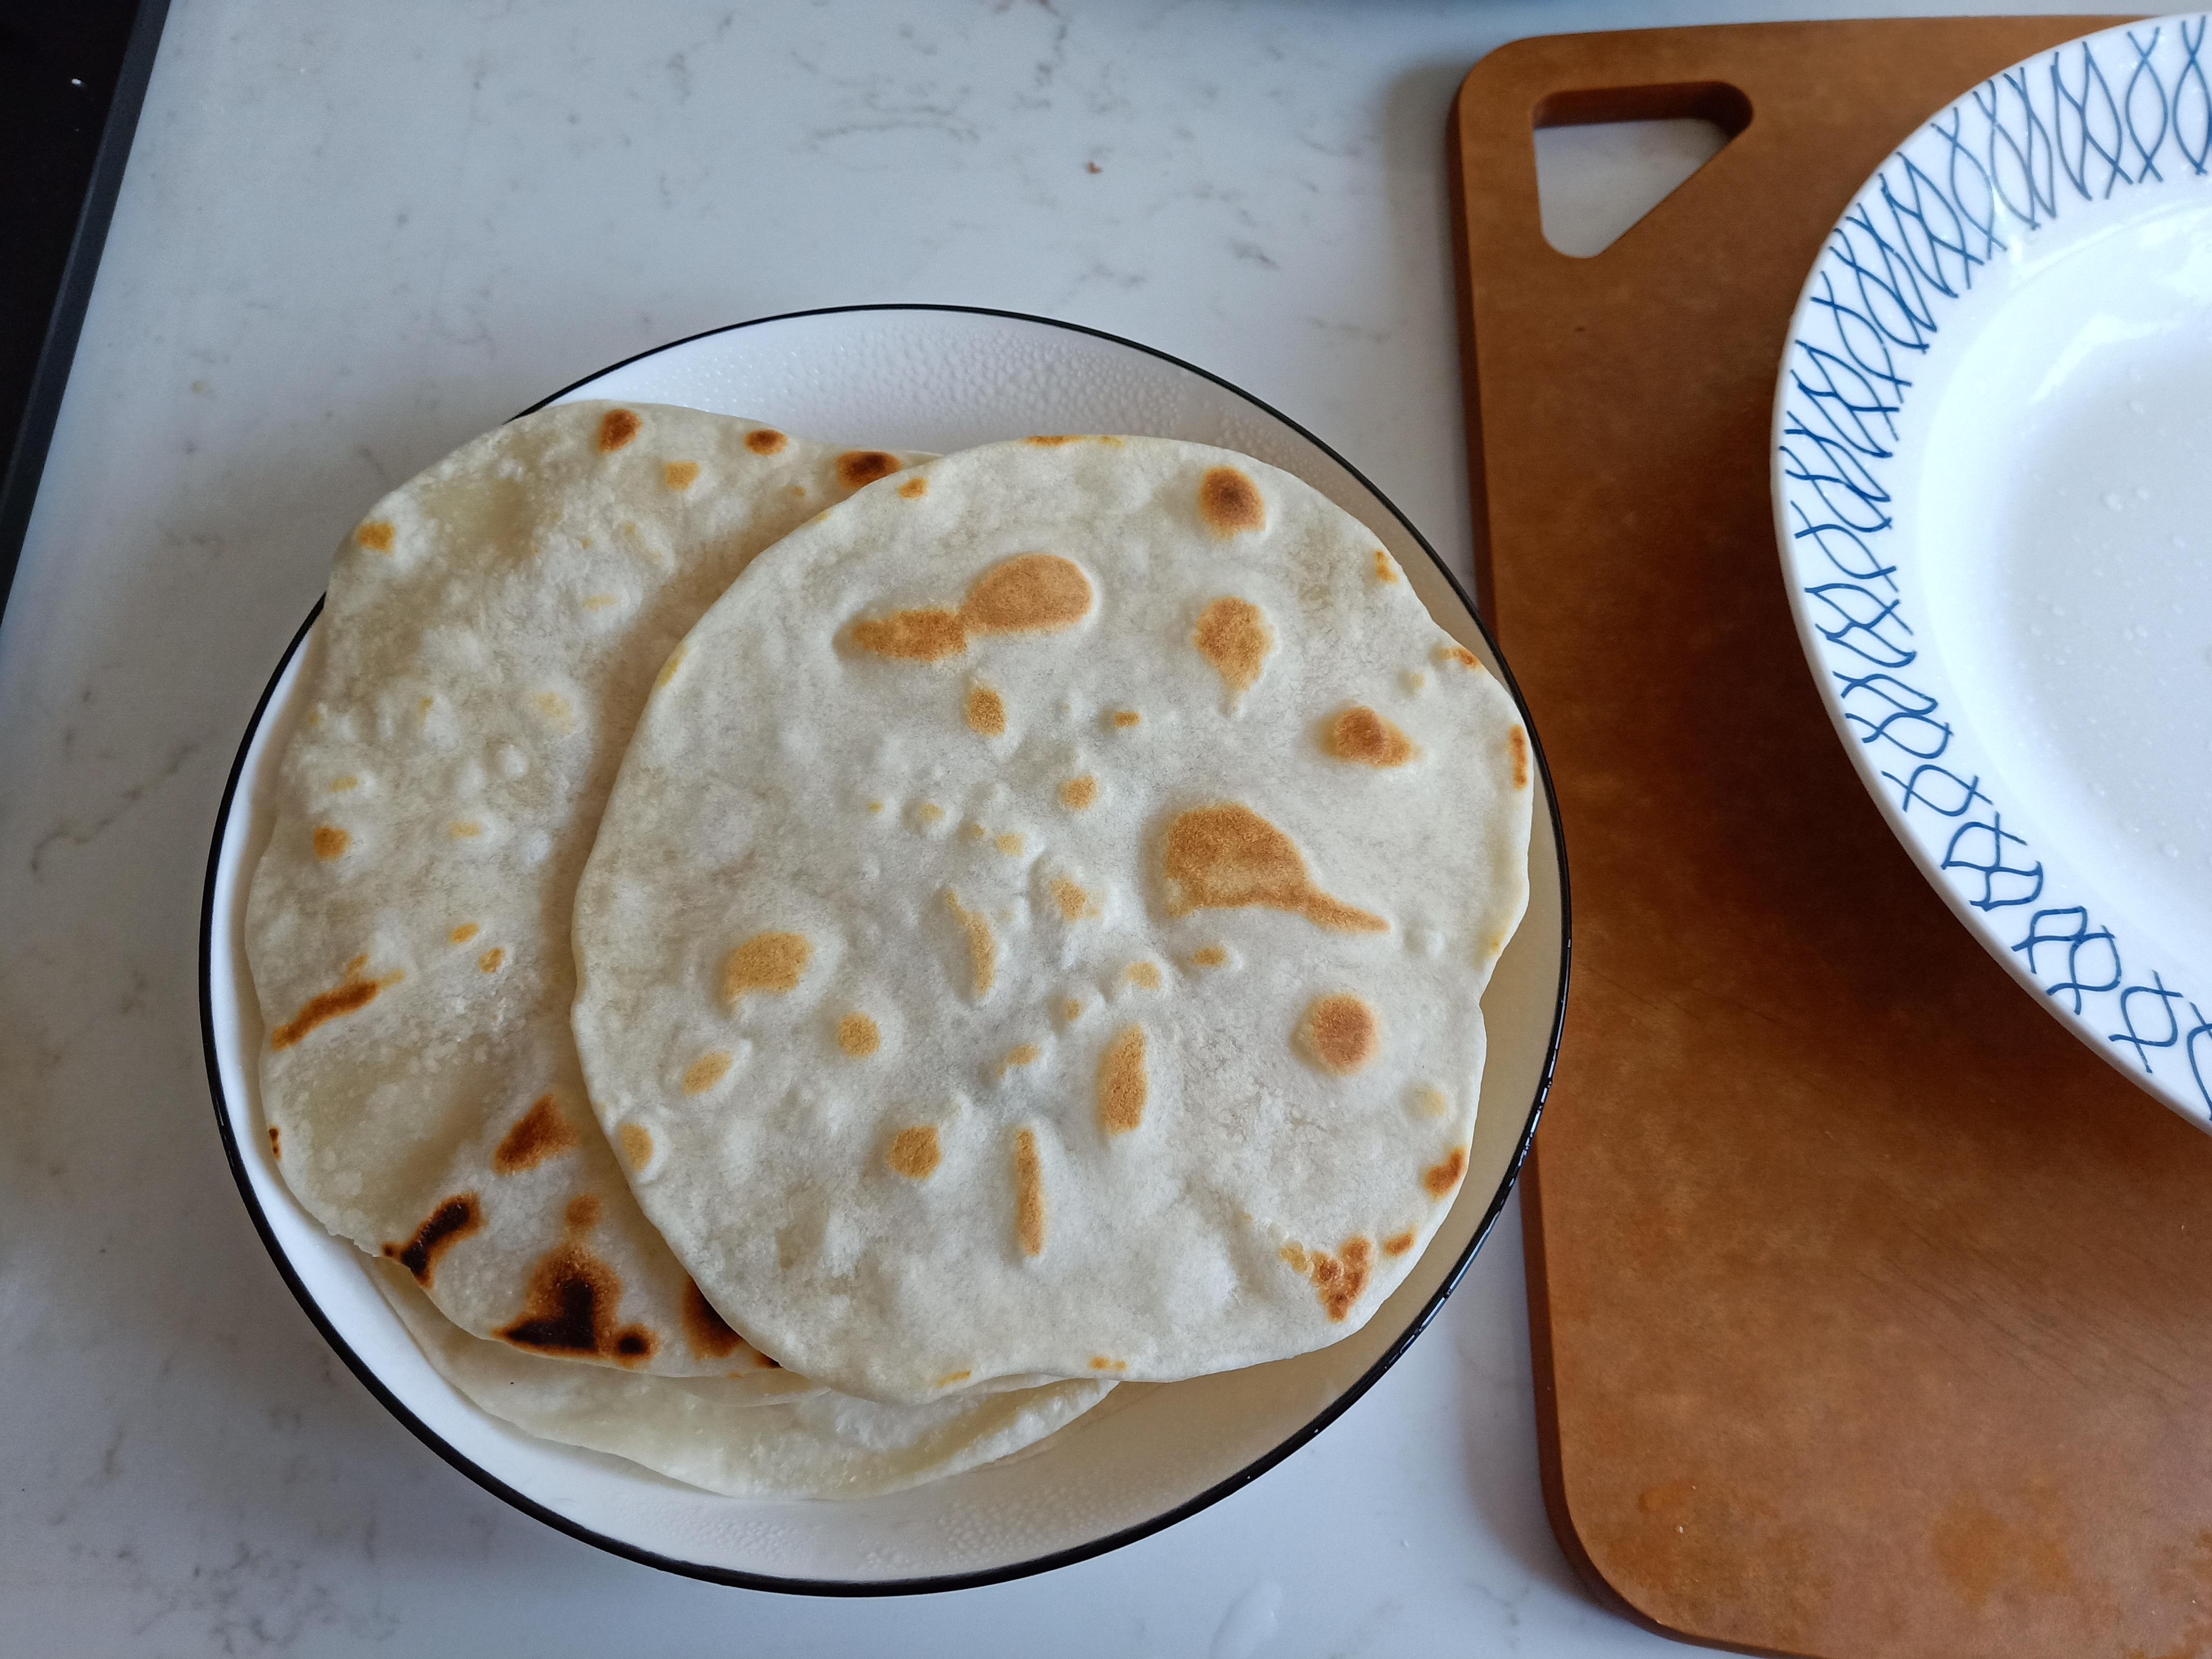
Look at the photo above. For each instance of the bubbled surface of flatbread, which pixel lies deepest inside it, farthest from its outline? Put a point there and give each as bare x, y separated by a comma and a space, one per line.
1081, 861
712, 1433
493, 627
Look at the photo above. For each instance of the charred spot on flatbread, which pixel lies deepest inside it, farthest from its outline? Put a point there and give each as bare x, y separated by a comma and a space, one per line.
1234, 635
539, 1133
1360, 735
1226, 857
572, 1308
859, 467
1230, 503
1340, 1033
350, 998
617, 428
444, 1227
709, 1334
1124, 1084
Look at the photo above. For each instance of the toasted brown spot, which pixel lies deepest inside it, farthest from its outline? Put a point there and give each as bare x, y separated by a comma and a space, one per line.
875, 806
1234, 636
1341, 1278
1074, 904
422, 709
1416, 680
1052, 440
599, 601
1026, 1054
636, 1144
856, 467
464, 934
617, 428
680, 475
710, 1068
539, 1133
276, 1144
556, 708
913, 635
1230, 502
1127, 719
1295, 1254
1225, 857
465, 829
571, 1310
983, 944
331, 842
769, 441
351, 997
950, 1377
345, 785
973, 831
1010, 844
1071, 1010
1029, 1193
1384, 571
1441, 1179
492, 960
1361, 735
584, 1213
929, 811
668, 669
1099, 1362
914, 1152
1029, 593
1146, 975
1458, 653
375, 536
1211, 955
1123, 1088
914, 488
1430, 1101
707, 1332
1398, 1243
987, 711
1518, 740
858, 1036
446, 1226
766, 962
1076, 794
1340, 1034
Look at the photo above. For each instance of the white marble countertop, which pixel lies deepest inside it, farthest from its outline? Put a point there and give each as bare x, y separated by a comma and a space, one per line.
350, 238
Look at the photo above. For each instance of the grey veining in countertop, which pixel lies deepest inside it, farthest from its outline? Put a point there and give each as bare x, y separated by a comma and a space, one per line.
352, 237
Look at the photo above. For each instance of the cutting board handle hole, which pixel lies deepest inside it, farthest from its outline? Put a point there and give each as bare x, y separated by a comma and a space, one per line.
1606, 156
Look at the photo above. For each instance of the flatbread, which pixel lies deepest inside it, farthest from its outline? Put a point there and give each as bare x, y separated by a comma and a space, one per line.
714, 1434
492, 628
1079, 863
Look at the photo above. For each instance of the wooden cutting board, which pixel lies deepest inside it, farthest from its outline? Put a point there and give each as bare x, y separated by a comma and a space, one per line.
1872, 1311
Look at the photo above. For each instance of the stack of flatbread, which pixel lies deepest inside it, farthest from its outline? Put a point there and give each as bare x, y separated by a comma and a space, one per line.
805, 968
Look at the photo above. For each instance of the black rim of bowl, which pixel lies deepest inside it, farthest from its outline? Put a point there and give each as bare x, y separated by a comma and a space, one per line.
1213, 1494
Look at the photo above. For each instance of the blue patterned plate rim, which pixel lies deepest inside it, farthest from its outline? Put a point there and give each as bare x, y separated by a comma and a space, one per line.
2102, 129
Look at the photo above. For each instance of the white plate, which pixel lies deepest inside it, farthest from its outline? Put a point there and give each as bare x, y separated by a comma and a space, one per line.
919, 378
1993, 488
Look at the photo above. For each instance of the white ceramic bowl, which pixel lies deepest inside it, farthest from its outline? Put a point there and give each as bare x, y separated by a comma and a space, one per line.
1993, 488
937, 379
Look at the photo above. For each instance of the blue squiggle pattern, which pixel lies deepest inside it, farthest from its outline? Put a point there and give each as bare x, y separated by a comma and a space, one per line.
2119, 110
